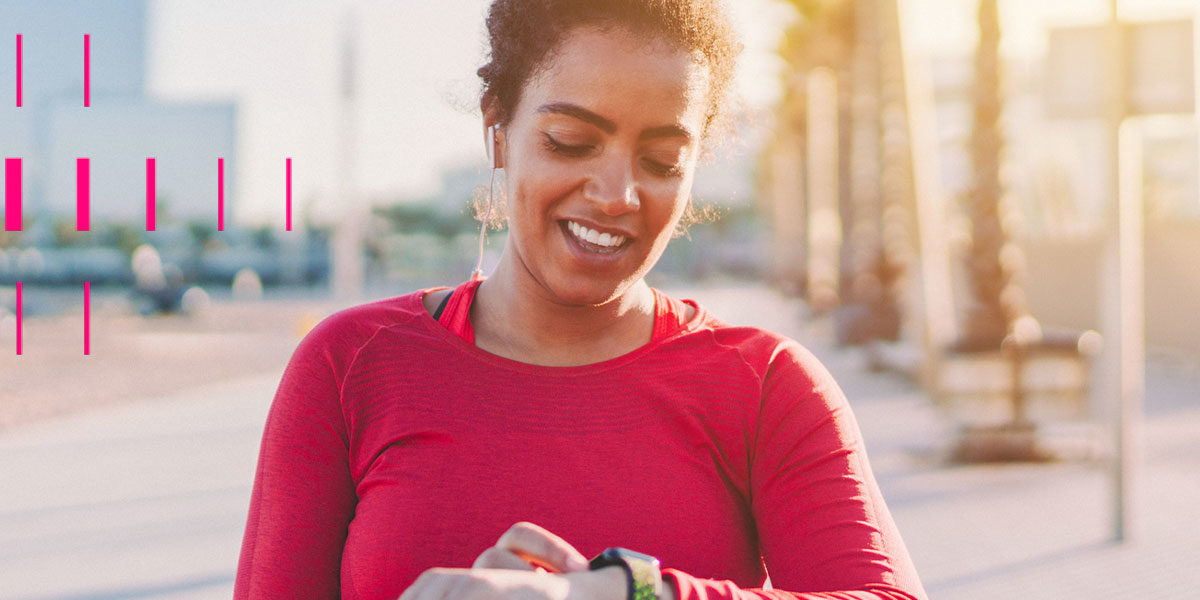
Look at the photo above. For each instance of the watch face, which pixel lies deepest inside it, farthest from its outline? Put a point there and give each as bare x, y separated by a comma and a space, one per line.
646, 578
630, 554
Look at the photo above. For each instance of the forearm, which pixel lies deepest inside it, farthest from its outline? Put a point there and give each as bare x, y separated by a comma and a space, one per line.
688, 587
609, 583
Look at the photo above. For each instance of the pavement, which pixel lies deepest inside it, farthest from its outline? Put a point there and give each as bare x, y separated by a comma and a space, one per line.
146, 497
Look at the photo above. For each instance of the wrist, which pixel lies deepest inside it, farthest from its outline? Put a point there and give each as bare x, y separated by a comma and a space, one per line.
602, 584
669, 592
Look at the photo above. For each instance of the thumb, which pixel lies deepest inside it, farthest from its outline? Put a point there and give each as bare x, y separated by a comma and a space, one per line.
542, 548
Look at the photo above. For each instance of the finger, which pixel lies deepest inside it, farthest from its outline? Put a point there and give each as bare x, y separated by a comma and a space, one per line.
499, 558
537, 545
430, 585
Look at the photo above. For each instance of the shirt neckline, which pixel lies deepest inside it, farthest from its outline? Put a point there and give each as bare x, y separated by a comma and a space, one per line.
415, 302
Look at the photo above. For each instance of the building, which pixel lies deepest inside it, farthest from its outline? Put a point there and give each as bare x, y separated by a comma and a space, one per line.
122, 127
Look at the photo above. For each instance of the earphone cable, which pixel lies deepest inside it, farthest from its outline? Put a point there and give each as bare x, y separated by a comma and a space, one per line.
487, 215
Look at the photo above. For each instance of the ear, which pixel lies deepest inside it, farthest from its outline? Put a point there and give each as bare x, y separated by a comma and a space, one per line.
490, 108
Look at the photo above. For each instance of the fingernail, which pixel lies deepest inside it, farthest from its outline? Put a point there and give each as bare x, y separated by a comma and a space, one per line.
578, 564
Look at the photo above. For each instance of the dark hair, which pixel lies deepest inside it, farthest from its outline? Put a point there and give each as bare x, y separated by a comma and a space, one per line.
523, 33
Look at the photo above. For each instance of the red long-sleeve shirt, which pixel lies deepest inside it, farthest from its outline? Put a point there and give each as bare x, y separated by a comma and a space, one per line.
394, 445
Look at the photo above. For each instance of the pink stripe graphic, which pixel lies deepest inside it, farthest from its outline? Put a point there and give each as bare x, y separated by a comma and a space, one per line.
220, 194
83, 187
87, 69
18, 318
149, 194
87, 317
18, 70
288, 224
12, 194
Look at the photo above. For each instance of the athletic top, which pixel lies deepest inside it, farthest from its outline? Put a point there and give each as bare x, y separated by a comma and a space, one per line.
394, 445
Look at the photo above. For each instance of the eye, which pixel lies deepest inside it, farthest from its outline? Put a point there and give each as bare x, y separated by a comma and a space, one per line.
557, 147
662, 169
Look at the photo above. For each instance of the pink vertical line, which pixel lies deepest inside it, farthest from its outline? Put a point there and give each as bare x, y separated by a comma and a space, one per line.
18, 318
288, 225
18, 70
220, 194
87, 317
83, 186
149, 194
12, 194
87, 69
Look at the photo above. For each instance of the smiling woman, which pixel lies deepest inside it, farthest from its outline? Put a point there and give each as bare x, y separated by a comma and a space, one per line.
480, 441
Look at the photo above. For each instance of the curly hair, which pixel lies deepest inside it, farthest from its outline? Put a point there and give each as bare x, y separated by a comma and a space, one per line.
524, 33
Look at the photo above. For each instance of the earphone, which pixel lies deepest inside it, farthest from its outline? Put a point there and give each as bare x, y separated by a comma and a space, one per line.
493, 160
491, 145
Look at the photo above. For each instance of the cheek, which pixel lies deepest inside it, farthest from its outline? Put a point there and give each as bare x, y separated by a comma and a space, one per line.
671, 204
532, 192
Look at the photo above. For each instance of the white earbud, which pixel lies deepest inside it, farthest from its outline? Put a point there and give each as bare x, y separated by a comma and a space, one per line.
491, 145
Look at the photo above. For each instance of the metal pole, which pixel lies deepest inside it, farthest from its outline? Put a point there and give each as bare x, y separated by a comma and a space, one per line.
1124, 312
933, 281
347, 276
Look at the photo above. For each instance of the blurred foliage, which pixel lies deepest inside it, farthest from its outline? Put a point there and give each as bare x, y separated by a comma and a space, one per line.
201, 232
66, 233
124, 236
9, 238
426, 218
263, 237
822, 35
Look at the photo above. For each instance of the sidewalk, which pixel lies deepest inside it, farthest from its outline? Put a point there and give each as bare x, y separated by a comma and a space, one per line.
143, 500
1020, 531
148, 499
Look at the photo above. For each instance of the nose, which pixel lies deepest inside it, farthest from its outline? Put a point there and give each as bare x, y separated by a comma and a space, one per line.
612, 187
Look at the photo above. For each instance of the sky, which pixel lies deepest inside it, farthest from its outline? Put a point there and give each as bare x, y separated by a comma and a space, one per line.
414, 108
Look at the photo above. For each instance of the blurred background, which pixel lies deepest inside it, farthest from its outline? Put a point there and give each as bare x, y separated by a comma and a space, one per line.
983, 215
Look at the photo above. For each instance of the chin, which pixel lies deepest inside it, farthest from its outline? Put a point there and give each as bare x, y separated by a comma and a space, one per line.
580, 291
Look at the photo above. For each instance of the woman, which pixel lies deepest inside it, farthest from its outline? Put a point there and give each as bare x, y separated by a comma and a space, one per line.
481, 442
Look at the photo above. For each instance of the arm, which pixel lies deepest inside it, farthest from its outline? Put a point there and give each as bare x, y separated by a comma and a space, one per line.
823, 527
303, 496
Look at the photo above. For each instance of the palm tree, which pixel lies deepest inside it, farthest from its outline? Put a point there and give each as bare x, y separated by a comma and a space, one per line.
996, 300
991, 263
821, 36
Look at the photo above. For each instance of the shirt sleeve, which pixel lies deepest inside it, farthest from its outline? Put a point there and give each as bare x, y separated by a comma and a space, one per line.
303, 498
824, 530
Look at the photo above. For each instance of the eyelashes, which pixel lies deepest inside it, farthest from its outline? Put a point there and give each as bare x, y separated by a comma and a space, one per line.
655, 167
557, 147
662, 169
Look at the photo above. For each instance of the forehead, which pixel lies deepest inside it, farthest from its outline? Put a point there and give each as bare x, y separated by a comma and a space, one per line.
623, 76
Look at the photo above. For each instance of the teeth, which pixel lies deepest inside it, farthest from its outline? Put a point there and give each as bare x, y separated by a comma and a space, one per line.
592, 236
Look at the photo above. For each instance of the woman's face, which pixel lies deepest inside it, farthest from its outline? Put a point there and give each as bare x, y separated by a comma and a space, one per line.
599, 156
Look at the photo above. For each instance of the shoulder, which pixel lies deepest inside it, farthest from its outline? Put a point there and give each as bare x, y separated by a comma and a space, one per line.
339, 336
772, 355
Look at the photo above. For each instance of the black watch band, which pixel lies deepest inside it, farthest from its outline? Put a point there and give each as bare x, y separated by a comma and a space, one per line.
641, 571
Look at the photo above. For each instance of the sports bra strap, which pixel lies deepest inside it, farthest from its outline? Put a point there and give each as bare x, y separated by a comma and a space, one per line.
457, 314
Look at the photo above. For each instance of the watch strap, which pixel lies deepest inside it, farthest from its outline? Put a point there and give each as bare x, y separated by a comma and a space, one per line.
642, 571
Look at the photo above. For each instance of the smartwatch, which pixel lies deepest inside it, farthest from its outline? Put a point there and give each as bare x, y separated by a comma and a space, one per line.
641, 571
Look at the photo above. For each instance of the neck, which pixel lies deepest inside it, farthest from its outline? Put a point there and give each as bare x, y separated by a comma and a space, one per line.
515, 317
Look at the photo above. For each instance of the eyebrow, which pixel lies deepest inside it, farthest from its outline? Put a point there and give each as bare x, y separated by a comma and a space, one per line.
607, 126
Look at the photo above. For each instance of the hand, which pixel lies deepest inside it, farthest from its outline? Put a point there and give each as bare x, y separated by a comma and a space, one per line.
508, 584
527, 563
527, 547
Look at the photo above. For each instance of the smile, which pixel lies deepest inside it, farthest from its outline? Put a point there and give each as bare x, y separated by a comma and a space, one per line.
594, 240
